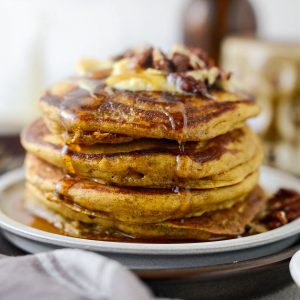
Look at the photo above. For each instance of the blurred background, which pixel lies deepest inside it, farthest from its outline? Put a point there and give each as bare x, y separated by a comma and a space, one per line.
259, 40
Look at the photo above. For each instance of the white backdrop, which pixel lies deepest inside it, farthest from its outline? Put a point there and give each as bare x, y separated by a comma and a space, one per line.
41, 40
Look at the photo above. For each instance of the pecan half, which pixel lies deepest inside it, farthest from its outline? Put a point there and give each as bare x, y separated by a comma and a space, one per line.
144, 58
181, 62
188, 84
203, 56
161, 62
283, 208
189, 69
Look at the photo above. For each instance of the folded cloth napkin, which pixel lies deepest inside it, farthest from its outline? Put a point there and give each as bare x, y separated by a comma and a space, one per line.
68, 274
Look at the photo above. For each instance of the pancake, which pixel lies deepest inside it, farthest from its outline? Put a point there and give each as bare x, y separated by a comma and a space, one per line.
224, 160
89, 137
83, 105
221, 224
131, 204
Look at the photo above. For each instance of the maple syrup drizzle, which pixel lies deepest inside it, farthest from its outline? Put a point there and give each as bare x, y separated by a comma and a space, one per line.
73, 104
66, 155
42, 218
183, 163
63, 186
71, 108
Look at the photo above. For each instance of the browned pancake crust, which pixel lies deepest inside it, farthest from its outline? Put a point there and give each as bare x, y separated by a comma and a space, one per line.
221, 224
74, 108
224, 160
89, 137
132, 204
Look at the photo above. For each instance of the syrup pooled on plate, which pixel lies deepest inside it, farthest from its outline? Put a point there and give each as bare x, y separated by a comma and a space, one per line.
285, 201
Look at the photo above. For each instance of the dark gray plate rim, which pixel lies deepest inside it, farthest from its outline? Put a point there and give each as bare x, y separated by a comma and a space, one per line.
265, 262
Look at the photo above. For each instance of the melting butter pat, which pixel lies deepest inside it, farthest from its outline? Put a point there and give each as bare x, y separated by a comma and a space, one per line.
141, 82
124, 77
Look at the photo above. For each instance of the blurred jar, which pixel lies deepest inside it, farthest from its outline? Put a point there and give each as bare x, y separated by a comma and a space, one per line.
207, 22
271, 72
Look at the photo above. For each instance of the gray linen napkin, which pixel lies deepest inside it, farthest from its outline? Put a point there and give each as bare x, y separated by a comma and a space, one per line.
68, 274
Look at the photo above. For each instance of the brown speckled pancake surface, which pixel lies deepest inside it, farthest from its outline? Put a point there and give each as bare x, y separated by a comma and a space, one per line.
221, 224
131, 204
83, 105
224, 160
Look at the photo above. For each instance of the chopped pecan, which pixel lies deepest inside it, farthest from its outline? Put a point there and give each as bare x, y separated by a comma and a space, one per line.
181, 62
188, 84
188, 59
281, 216
285, 194
283, 208
161, 62
189, 69
203, 56
144, 58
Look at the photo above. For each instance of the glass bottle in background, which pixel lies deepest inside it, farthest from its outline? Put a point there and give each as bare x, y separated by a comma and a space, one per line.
207, 22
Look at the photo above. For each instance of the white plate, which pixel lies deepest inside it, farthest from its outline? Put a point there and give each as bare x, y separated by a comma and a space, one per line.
137, 254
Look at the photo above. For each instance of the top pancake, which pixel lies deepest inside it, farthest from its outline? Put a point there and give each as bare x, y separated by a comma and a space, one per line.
83, 105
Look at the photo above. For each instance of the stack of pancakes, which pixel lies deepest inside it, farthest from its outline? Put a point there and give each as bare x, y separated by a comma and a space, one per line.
111, 159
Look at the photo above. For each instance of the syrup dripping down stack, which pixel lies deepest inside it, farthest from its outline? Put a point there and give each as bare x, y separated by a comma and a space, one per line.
148, 146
